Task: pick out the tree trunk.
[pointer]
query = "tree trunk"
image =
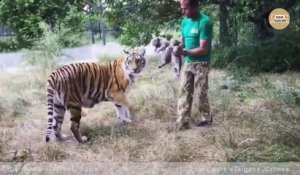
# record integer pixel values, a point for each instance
(103, 31)
(92, 32)
(224, 33)
(102, 25)
(100, 31)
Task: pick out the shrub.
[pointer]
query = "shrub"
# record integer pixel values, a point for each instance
(46, 51)
(262, 56)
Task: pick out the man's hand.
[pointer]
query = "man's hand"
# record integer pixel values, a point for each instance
(178, 51)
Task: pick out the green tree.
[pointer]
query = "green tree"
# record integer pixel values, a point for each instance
(24, 16)
(251, 38)
(139, 20)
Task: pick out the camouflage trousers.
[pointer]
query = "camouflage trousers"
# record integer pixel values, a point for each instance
(194, 86)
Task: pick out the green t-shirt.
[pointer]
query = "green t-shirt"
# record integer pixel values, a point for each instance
(195, 30)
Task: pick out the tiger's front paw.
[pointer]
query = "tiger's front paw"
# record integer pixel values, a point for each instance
(84, 139)
(125, 120)
(63, 137)
(130, 114)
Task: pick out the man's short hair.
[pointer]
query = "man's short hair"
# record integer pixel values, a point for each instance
(193, 3)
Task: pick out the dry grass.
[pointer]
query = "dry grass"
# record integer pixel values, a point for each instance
(254, 122)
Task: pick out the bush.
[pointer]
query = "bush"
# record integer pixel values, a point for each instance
(132, 35)
(262, 56)
(9, 45)
(105, 59)
(72, 30)
(46, 51)
(287, 94)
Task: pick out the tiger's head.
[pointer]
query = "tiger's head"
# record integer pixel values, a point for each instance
(134, 62)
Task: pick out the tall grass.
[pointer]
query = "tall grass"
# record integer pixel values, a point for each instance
(270, 113)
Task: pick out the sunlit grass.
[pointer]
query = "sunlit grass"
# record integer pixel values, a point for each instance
(254, 120)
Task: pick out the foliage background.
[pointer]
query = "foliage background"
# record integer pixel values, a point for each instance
(242, 35)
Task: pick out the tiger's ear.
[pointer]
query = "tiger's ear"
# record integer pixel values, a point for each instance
(143, 51)
(125, 51)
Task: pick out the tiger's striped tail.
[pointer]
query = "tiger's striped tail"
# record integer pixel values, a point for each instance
(50, 96)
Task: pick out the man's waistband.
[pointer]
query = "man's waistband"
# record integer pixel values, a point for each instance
(201, 63)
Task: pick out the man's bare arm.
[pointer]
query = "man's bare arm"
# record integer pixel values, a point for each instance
(201, 50)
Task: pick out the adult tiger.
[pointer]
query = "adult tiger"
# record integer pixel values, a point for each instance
(78, 85)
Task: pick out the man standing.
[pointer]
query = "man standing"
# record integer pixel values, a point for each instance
(196, 30)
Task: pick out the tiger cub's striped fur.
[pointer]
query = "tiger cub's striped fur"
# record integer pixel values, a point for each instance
(78, 85)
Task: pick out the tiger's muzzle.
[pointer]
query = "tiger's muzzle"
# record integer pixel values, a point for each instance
(141, 63)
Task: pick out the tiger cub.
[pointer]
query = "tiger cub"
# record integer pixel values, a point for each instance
(78, 85)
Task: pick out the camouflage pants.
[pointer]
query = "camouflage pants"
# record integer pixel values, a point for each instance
(194, 86)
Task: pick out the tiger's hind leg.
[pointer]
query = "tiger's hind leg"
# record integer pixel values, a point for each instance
(59, 112)
(75, 112)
